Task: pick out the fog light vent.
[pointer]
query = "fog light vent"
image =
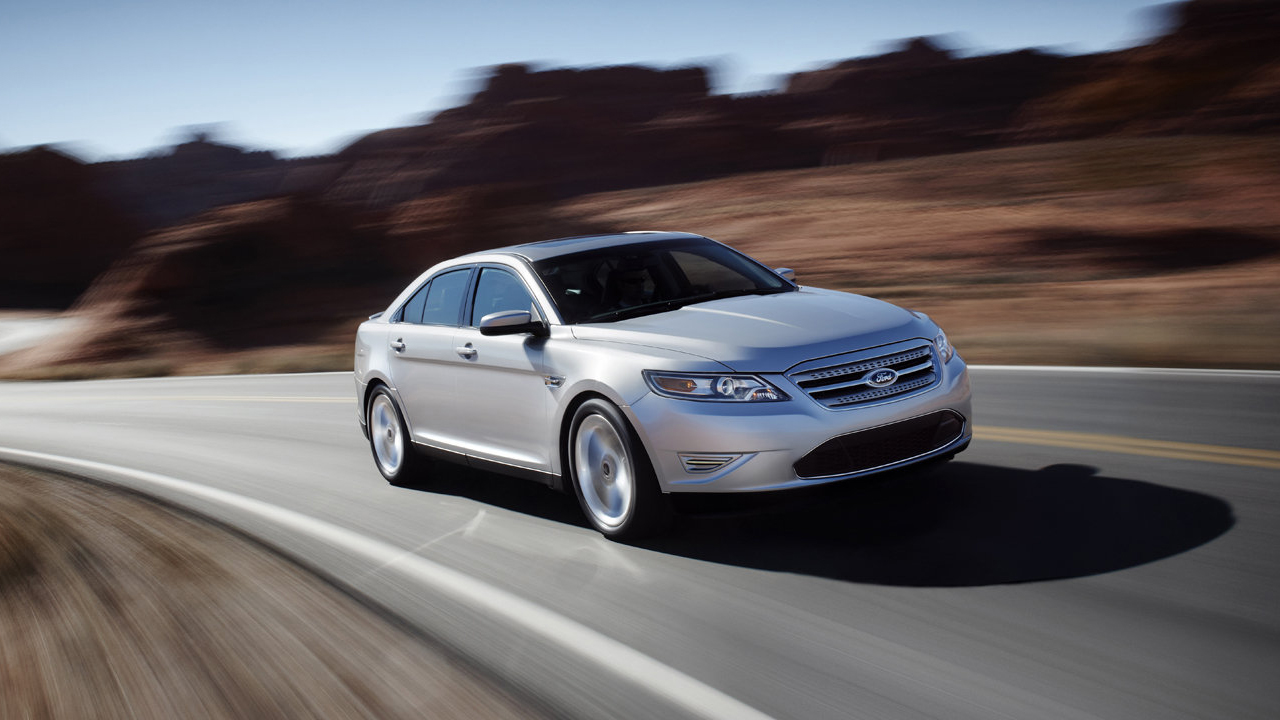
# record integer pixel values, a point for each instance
(699, 464)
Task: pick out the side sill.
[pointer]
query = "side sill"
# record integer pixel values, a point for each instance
(551, 480)
(538, 476)
(440, 453)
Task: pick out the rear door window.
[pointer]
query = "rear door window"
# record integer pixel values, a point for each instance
(412, 311)
(443, 302)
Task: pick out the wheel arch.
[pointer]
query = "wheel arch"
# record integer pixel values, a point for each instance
(370, 386)
(565, 427)
(562, 434)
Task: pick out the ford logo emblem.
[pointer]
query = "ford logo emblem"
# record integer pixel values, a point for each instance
(882, 378)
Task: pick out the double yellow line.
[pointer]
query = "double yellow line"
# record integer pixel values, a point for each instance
(1223, 454)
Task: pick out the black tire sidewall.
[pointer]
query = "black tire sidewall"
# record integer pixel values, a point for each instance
(646, 512)
(407, 462)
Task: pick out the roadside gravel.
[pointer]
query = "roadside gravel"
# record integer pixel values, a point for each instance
(115, 606)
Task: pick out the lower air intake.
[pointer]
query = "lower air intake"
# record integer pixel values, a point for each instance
(882, 446)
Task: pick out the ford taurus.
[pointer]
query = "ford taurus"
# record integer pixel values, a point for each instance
(629, 367)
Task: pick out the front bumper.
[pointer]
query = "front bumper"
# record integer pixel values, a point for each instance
(759, 444)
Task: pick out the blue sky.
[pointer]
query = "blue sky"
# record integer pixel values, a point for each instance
(113, 79)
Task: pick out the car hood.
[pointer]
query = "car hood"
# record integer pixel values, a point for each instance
(768, 333)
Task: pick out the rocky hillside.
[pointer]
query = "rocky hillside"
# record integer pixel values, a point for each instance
(269, 272)
(568, 132)
(58, 228)
(1218, 70)
(1165, 250)
(170, 186)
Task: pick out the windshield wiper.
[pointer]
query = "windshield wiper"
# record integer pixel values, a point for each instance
(723, 294)
(638, 310)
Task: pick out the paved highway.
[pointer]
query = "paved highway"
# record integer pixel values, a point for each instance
(1108, 548)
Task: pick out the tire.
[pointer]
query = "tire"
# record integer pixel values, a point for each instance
(611, 474)
(389, 441)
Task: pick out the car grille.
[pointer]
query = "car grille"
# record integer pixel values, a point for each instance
(846, 381)
(881, 446)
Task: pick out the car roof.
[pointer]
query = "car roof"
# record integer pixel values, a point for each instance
(544, 249)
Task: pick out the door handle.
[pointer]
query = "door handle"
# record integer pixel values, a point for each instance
(466, 351)
(397, 345)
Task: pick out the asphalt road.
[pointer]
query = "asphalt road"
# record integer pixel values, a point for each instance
(1108, 548)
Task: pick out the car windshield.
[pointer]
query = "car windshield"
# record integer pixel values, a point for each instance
(616, 283)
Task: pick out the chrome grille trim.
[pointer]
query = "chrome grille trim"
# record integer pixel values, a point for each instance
(897, 388)
(828, 380)
(863, 380)
(847, 369)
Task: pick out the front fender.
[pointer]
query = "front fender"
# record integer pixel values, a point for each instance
(613, 371)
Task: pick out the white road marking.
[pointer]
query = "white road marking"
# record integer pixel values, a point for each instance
(344, 399)
(623, 661)
(181, 378)
(465, 531)
(470, 528)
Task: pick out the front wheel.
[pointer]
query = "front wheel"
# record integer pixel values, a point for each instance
(393, 452)
(611, 474)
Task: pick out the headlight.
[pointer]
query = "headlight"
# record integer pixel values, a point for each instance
(712, 387)
(945, 351)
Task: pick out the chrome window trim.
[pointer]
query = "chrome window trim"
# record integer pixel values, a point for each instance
(469, 310)
(397, 317)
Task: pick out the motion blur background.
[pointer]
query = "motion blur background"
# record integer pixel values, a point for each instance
(1108, 196)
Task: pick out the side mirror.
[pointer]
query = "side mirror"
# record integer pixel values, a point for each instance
(786, 273)
(511, 322)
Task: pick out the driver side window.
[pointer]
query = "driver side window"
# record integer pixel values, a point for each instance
(498, 290)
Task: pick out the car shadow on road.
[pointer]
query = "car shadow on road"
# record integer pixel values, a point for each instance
(963, 524)
(522, 496)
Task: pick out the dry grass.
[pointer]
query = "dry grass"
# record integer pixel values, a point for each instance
(115, 607)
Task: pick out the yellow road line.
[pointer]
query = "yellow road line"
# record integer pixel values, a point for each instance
(1248, 457)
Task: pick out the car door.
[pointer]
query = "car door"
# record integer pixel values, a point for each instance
(500, 380)
(423, 357)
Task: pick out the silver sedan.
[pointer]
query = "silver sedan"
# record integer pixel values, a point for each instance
(629, 367)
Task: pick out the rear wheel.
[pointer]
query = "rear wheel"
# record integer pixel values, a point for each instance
(611, 474)
(393, 452)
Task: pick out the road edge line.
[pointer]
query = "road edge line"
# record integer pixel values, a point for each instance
(623, 661)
